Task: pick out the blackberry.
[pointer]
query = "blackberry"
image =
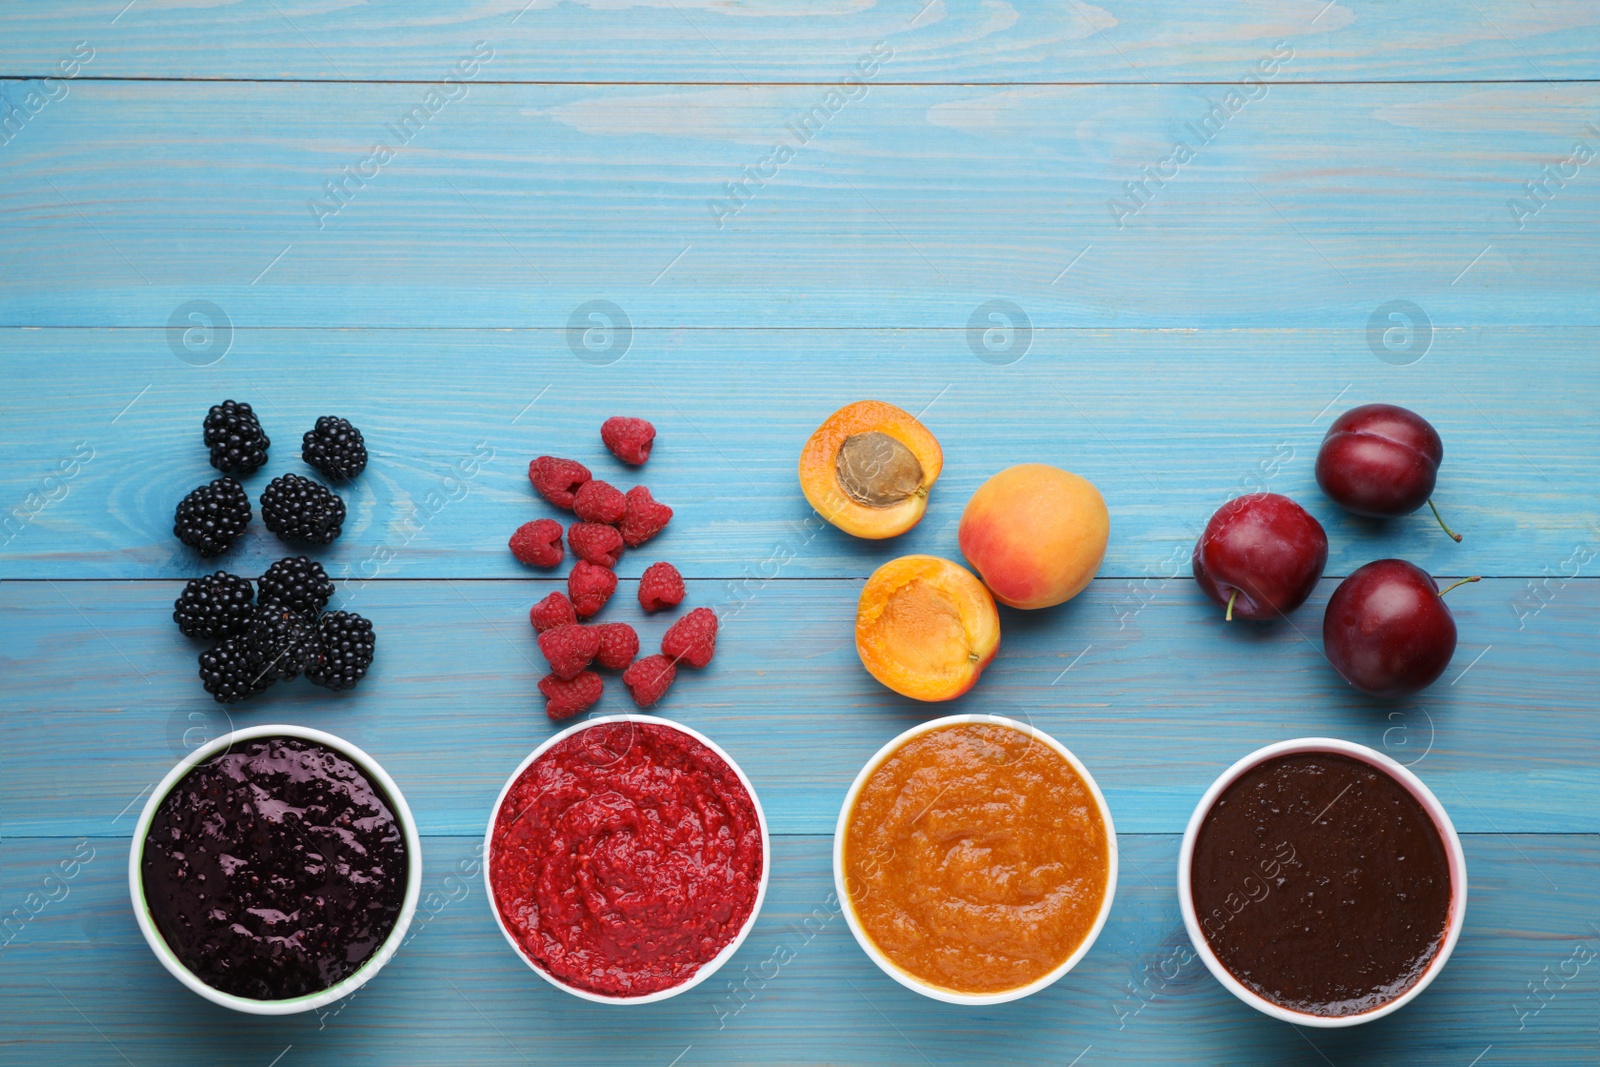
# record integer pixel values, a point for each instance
(277, 641)
(230, 673)
(214, 605)
(335, 448)
(299, 509)
(298, 583)
(233, 433)
(210, 518)
(343, 652)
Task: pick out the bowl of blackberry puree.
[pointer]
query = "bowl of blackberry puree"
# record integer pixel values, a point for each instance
(275, 870)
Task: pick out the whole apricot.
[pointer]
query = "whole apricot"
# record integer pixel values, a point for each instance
(868, 468)
(926, 627)
(1036, 534)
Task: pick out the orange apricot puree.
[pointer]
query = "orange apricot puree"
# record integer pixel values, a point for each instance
(975, 858)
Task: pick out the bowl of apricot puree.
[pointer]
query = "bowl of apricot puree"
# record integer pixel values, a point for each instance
(975, 859)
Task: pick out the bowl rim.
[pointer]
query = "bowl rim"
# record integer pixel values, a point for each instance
(308, 1001)
(1454, 854)
(706, 969)
(910, 981)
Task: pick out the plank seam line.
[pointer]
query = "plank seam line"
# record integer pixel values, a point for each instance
(1508, 327)
(802, 84)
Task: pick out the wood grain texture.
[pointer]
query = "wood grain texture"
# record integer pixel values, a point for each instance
(457, 994)
(1168, 424)
(1160, 697)
(1018, 41)
(1187, 346)
(1310, 207)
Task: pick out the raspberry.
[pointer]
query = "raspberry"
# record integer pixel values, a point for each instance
(661, 586)
(600, 545)
(557, 479)
(590, 586)
(628, 439)
(538, 543)
(649, 679)
(565, 697)
(618, 645)
(645, 517)
(598, 501)
(554, 610)
(569, 649)
(693, 638)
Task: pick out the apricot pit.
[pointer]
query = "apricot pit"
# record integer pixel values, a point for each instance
(876, 470)
(868, 469)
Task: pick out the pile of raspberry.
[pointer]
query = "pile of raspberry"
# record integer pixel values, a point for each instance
(609, 521)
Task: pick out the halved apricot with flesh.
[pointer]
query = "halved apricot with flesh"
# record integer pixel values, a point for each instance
(926, 627)
(868, 469)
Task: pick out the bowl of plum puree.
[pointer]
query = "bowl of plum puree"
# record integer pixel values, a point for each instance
(1322, 883)
(275, 870)
(626, 859)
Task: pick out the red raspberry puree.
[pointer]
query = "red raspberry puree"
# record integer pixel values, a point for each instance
(625, 858)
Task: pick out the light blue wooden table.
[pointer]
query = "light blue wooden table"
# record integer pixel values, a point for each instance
(1374, 201)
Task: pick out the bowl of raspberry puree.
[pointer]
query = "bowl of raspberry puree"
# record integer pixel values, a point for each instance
(975, 859)
(1322, 882)
(275, 869)
(627, 859)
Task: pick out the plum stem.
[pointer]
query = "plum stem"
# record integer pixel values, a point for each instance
(1453, 535)
(1464, 581)
(1231, 596)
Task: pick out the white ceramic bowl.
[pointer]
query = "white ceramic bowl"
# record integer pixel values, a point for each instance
(375, 962)
(914, 983)
(1430, 803)
(708, 968)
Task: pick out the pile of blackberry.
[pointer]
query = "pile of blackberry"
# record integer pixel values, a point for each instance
(295, 508)
(273, 631)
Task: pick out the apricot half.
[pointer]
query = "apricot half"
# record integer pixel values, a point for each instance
(1036, 534)
(926, 627)
(868, 469)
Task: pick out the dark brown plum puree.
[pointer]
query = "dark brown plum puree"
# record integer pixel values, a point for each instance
(1321, 883)
(274, 869)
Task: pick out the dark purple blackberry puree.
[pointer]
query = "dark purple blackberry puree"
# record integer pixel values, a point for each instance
(275, 869)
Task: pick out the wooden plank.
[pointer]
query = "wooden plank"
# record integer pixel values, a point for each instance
(1312, 207)
(1168, 424)
(1144, 682)
(457, 994)
(1019, 41)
